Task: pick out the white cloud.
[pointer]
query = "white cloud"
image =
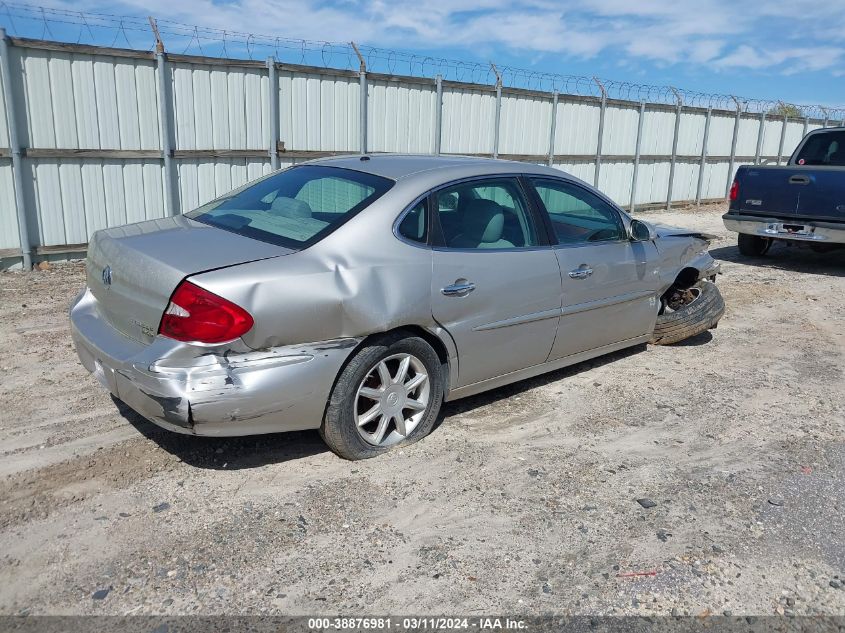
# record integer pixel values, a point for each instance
(781, 36)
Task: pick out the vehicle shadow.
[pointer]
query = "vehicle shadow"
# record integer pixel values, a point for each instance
(227, 453)
(508, 391)
(783, 257)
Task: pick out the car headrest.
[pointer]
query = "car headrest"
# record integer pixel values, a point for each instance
(290, 207)
(483, 221)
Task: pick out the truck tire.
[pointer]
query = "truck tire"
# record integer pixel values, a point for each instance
(701, 311)
(753, 245)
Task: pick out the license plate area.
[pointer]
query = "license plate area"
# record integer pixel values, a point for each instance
(781, 228)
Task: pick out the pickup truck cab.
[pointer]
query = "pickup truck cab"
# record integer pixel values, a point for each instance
(802, 202)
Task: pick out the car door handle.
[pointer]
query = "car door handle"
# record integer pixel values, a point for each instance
(799, 180)
(580, 273)
(458, 289)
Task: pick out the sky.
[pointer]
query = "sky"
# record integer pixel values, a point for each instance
(790, 50)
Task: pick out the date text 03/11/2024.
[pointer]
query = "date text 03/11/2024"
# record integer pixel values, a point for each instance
(415, 623)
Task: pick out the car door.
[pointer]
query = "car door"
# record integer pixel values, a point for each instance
(609, 283)
(496, 281)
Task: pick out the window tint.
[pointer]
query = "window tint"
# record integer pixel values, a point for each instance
(825, 148)
(578, 215)
(485, 214)
(294, 207)
(412, 226)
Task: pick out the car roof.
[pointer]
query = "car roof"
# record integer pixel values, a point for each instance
(399, 166)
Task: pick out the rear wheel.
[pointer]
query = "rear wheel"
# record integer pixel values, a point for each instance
(388, 394)
(753, 245)
(688, 312)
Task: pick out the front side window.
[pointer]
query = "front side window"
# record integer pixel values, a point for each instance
(485, 214)
(295, 207)
(825, 148)
(577, 215)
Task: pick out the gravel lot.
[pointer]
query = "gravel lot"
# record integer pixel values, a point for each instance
(523, 501)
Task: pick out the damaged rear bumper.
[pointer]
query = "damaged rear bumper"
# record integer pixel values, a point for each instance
(221, 390)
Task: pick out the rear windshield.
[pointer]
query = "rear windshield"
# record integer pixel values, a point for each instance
(824, 148)
(295, 207)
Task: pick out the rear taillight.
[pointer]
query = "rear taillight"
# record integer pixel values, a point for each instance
(734, 190)
(197, 315)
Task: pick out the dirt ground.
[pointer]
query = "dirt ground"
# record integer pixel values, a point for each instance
(523, 501)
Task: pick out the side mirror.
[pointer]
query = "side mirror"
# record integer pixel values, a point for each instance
(641, 232)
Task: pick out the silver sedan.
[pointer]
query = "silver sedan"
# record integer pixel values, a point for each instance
(357, 294)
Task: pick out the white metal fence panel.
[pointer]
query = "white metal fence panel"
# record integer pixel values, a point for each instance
(76, 197)
(794, 134)
(652, 181)
(525, 125)
(577, 128)
(715, 178)
(721, 134)
(691, 135)
(8, 217)
(319, 112)
(658, 129)
(582, 169)
(401, 117)
(620, 130)
(89, 101)
(771, 136)
(220, 108)
(468, 117)
(746, 142)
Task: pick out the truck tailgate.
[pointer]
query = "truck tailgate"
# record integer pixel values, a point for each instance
(768, 190)
(822, 196)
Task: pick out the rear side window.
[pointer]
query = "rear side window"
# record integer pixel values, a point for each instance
(485, 214)
(296, 207)
(413, 225)
(825, 148)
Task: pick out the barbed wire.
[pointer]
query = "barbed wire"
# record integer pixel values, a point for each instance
(134, 32)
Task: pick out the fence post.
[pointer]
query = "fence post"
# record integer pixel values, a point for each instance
(637, 157)
(165, 118)
(498, 115)
(274, 113)
(438, 115)
(171, 199)
(552, 127)
(362, 78)
(760, 138)
(782, 137)
(674, 158)
(600, 139)
(703, 162)
(15, 150)
(733, 146)
(806, 125)
(826, 117)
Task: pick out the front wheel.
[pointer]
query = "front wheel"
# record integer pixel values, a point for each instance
(753, 245)
(689, 312)
(388, 394)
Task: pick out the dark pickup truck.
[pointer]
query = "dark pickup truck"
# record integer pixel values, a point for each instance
(800, 202)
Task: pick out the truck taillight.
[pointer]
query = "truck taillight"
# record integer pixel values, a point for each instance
(197, 315)
(734, 190)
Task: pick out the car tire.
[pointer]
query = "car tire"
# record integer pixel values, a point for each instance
(753, 245)
(700, 314)
(347, 406)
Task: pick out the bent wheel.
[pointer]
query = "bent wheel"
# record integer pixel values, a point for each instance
(689, 312)
(388, 394)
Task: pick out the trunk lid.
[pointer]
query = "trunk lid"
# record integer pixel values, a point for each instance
(133, 270)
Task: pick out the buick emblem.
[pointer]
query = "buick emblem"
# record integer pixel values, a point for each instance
(107, 276)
